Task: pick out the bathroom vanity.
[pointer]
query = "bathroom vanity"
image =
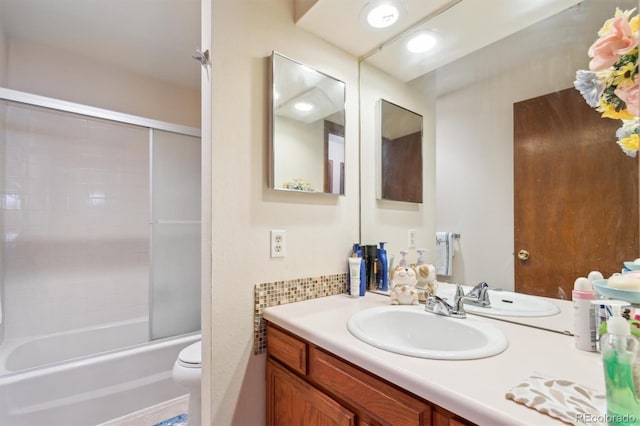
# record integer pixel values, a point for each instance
(317, 372)
(328, 389)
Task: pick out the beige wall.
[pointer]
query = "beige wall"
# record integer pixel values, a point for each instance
(59, 74)
(320, 228)
(390, 221)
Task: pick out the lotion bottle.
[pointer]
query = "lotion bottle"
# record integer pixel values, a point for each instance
(354, 275)
(621, 362)
(357, 252)
(584, 324)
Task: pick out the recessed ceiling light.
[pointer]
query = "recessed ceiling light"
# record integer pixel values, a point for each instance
(303, 106)
(421, 42)
(382, 13)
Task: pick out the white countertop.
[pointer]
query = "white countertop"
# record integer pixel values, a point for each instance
(472, 389)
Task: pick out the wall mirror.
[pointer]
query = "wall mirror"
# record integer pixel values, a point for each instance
(307, 128)
(476, 86)
(399, 153)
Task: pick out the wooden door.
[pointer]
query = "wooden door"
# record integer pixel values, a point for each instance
(575, 194)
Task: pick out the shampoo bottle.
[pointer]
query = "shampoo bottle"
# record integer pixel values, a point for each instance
(584, 327)
(621, 362)
(383, 269)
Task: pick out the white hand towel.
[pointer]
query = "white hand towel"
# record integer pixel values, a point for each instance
(444, 253)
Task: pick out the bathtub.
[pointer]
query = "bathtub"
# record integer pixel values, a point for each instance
(88, 389)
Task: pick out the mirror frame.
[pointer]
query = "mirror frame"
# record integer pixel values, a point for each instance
(329, 128)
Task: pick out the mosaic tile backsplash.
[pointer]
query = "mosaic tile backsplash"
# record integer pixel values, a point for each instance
(281, 292)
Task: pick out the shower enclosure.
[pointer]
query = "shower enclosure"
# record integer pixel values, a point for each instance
(100, 225)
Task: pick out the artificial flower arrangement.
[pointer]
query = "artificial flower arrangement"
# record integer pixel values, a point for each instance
(611, 83)
(299, 184)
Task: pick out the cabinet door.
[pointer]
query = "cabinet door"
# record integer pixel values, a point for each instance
(291, 401)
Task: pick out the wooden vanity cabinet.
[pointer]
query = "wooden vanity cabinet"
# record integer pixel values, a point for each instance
(307, 385)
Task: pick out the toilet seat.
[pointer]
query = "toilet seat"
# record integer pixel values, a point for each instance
(191, 356)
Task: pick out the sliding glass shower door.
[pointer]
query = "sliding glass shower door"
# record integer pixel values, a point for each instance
(99, 228)
(175, 234)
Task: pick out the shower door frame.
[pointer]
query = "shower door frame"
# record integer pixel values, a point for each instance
(30, 99)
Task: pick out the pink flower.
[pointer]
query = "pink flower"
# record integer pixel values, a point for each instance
(631, 96)
(608, 48)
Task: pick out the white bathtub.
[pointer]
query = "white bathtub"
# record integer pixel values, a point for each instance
(89, 390)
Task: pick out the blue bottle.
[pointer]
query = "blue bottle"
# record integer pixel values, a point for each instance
(383, 269)
(363, 273)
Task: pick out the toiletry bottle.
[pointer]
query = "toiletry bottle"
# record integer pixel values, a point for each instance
(354, 275)
(363, 272)
(403, 262)
(358, 253)
(421, 260)
(371, 255)
(584, 321)
(383, 271)
(621, 362)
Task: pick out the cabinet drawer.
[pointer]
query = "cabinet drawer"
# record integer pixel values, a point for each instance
(287, 349)
(370, 397)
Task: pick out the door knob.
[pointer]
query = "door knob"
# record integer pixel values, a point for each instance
(523, 255)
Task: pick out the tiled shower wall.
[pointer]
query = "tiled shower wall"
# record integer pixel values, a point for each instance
(75, 205)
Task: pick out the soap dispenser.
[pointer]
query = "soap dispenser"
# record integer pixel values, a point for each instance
(621, 362)
(403, 260)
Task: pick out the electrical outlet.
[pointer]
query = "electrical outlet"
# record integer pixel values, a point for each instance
(412, 239)
(278, 243)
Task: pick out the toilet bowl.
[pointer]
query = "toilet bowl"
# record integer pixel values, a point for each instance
(187, 372)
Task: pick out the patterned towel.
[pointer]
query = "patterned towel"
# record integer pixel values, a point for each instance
(564, 400)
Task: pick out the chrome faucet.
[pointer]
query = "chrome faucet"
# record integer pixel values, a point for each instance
(439, 306)
(478, 295)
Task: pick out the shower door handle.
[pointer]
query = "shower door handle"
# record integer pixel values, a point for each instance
(202, 57)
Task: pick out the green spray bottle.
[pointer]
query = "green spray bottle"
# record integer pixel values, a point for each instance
(621, 362)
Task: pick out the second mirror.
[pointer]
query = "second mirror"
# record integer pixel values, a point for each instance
(399, 151)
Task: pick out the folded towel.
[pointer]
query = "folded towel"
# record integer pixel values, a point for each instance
(564, 400)
(444, 253)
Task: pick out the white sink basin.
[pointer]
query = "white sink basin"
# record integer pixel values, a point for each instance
(410, 330)
(505, 303)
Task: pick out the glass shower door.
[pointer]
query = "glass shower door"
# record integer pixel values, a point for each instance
(175, 234)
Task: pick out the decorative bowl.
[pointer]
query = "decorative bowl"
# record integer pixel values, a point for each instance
(601, 287)
(632, 266)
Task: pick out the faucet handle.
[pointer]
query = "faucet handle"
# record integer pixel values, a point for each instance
(459, 291)
(477, 290)
(457, 310)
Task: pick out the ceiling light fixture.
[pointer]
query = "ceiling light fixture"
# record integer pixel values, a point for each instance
(422, 42)
(303, 106)
(382, 13)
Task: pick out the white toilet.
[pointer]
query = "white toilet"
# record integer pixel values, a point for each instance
(187, 372)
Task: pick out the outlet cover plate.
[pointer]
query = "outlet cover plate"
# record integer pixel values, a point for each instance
(278, 243)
